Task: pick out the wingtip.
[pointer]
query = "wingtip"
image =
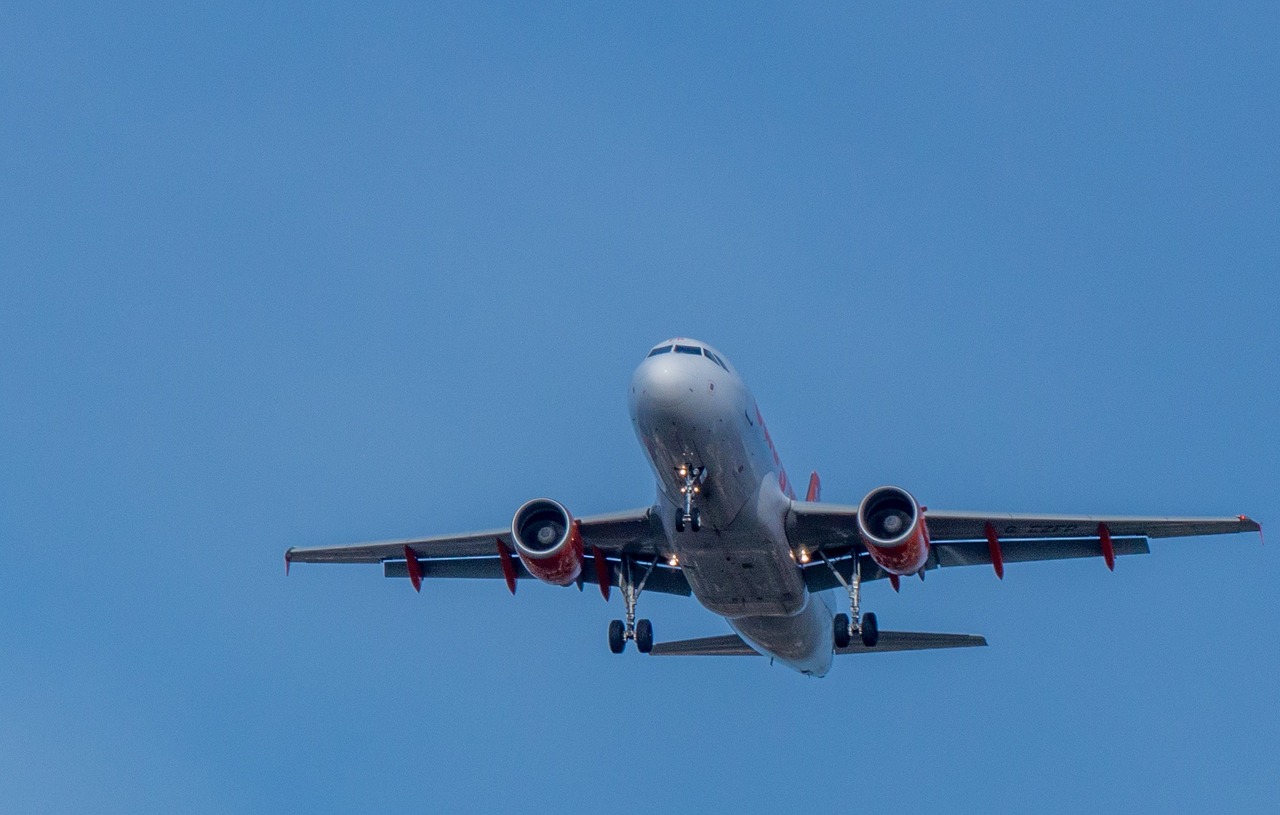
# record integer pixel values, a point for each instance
(288, 558)
(1248, 524)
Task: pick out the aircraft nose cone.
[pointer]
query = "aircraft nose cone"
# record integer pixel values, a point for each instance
(663, 382)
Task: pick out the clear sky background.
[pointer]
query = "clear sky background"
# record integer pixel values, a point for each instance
(311, 274)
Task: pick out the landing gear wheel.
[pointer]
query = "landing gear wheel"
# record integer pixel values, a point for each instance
(617, 636)
(644, 636)
(696, 522)
(870, 630)
(842, 631)
(679, 521)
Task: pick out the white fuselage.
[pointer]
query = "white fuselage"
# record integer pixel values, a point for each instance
(689, 410)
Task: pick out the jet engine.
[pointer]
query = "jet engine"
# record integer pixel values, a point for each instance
(892, 528)
(548, 541)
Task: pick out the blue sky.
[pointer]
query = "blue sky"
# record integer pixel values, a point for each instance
(315, 274)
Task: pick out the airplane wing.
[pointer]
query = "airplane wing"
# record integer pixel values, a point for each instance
(959, 538)
(635, 533)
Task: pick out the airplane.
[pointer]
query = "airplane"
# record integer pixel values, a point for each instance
(727, 528)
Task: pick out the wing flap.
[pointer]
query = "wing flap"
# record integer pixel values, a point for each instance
(663, 579)
(976, 553)
(818, 577)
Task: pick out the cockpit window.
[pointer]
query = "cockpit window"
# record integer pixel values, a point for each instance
(715, 359)
(660, 350)
(689, 349)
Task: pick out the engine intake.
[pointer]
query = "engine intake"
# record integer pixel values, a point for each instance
(548, 541)
(893, 530)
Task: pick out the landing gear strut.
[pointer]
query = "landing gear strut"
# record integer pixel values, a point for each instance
(691, 484)
(640, 631)
(846, 626)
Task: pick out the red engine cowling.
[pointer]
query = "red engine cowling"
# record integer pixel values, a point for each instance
(548, 541)
(892, 528)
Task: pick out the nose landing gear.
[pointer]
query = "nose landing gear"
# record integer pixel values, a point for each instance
(691, 484)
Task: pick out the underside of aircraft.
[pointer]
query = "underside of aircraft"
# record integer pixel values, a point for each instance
(727, 528)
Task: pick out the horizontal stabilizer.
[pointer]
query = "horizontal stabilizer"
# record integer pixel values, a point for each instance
(731, 645)
(914, 641)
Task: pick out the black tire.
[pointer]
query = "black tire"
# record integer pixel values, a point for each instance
(679, 521)
(841, 630)
(870, 630)
(616, 639)
(644, 636)
(697, 521)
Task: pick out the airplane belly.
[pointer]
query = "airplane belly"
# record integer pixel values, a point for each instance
(745, 569)
(739, 576)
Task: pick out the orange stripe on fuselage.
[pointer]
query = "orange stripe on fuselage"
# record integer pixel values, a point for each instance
(783, 482)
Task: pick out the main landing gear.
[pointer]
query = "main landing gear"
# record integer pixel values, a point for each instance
(844, 626)
(691, 484)
(641, 631)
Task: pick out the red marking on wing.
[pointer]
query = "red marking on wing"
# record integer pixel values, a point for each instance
(508, 565)
(415, 568)
(1108, 550)
(604, 574)
(993, 546)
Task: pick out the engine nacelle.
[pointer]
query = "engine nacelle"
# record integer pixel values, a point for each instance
(548, 541)
(893, 530)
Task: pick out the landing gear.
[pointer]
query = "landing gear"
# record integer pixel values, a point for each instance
(845, 626)
(644, 636)
(842, 629)
(641, 631)
(691, 479)
(870, 630)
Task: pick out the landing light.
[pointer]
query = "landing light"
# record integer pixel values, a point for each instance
(804, 555)
(673, 561)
